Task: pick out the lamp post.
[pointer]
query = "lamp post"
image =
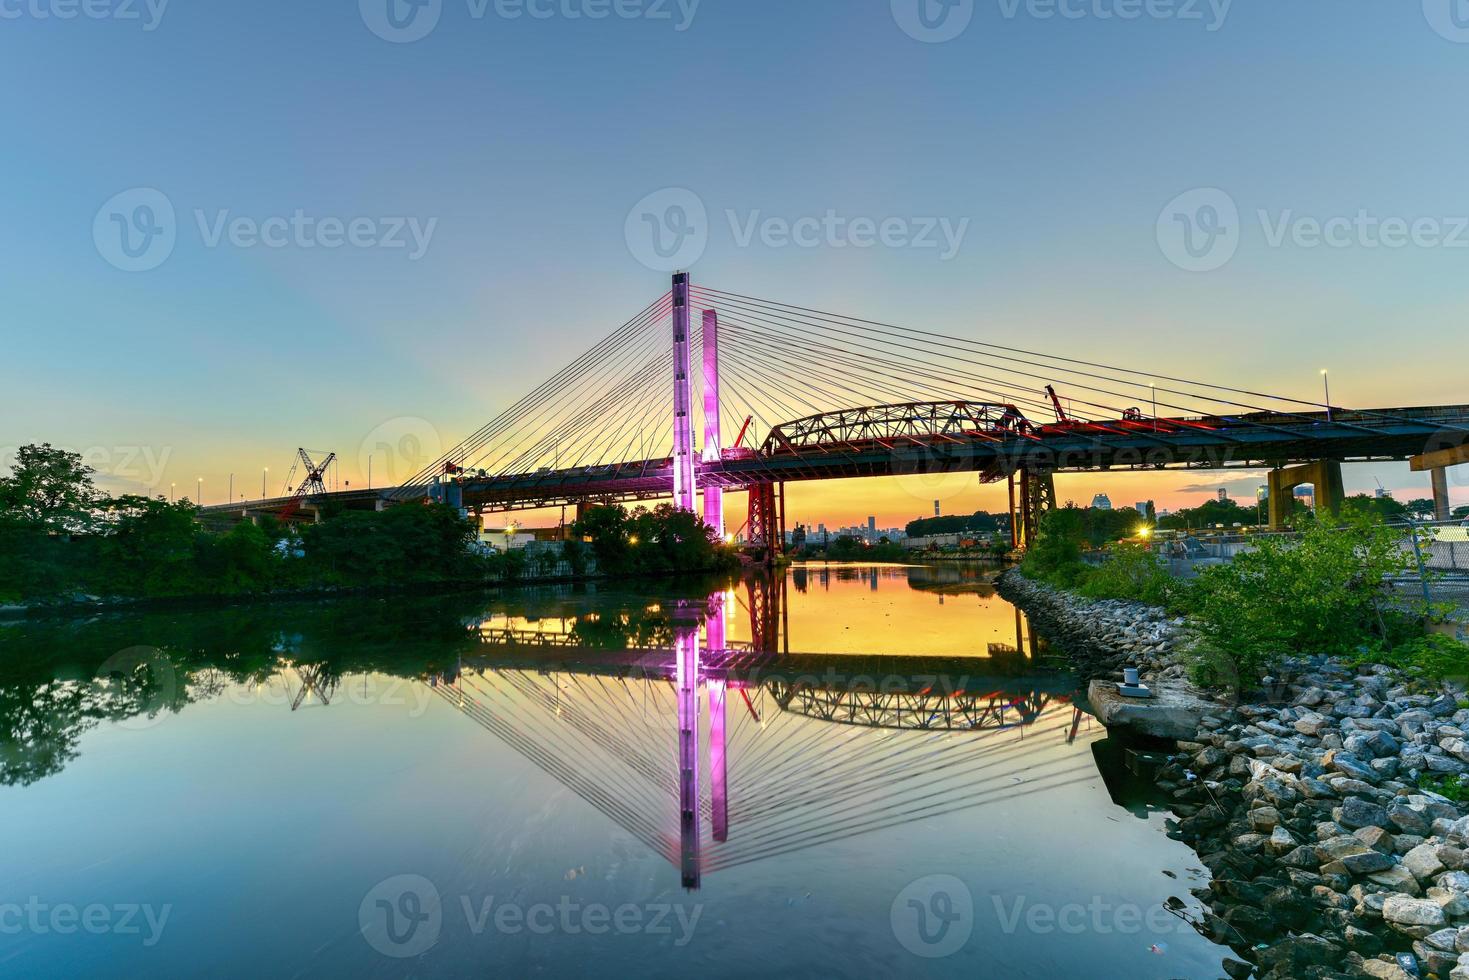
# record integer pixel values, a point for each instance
(199, 491)
(1326, 382)
(262, 482)
(231, 498)
(172, 491)
(1153, 385)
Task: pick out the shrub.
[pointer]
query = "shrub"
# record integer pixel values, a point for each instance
(1131, 571)
(1324, 592)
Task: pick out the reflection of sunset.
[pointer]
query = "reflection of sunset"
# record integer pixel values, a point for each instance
(893, 609)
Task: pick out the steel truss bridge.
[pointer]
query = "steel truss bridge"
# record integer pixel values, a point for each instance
(791, 394)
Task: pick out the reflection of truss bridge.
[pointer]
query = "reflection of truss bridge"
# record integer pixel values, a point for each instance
(924, 710)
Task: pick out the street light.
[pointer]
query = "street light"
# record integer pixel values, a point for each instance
(199, 491)
(1326, 381)
(1154, 386)
(262, 482)
(172, 490)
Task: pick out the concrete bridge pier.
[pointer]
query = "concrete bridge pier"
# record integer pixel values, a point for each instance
(1324, 475)
(1436, 464)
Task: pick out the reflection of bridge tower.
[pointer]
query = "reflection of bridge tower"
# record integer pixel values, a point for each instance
(686, 679)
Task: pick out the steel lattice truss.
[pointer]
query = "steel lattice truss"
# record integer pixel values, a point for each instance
(921, 711)
(888, 425)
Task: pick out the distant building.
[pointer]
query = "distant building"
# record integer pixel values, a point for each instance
(936, 509)
(1102, 502)
(872, 530)
(1223, 496)
(1141, 507)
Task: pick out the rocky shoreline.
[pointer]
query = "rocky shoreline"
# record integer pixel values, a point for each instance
(1327, 858)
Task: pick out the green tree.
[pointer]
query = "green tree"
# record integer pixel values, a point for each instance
(49, 489)
(1378, 508)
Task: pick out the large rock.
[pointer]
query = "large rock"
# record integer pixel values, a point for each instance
(1174, 710)
(1408, 911)
(1423, 861)
(1357, 812)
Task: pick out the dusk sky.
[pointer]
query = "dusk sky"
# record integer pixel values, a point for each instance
(490, 167)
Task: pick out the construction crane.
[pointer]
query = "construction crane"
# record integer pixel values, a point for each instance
(313, 482)
(1056, 402)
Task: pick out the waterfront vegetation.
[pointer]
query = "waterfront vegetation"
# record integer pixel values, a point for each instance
(1323, 591)
(61, 538)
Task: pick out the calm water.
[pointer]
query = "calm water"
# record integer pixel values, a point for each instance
(851, 771)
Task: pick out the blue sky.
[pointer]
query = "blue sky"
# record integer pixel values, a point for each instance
(527, 140)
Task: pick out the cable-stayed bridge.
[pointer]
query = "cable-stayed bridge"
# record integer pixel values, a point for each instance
(709, 391)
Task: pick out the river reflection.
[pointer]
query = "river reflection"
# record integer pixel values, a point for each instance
(789, 754)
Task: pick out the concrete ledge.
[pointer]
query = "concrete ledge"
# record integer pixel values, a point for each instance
(1172, 711)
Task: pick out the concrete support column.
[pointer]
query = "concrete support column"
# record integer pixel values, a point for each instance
(1440, 478)
(1324, 475)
